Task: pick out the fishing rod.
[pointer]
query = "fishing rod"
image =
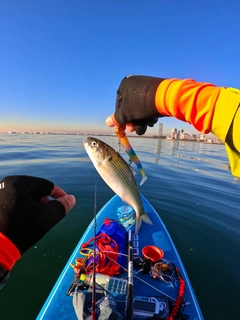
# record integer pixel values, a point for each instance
(94, 253)
(130, 277)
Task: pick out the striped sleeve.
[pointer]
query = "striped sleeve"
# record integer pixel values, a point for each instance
(208, 108)
(189, 101)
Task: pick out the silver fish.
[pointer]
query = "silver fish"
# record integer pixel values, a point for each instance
(119, 176)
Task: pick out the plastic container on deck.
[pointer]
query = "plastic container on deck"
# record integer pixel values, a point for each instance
(111, 284)
(152, 252)
(126, 216)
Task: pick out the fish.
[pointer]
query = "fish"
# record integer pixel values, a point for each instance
(118, 175)
(120, 132)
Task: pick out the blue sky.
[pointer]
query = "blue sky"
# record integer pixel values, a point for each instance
(61, 61)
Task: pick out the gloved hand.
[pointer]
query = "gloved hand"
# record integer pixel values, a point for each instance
(26, 213)
(135, 103)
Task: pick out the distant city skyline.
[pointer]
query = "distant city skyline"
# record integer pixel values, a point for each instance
(157, 131)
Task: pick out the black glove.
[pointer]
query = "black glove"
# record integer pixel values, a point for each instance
(136, 102)
(24, 220)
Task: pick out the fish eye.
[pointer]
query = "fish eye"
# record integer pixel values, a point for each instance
(94, 144)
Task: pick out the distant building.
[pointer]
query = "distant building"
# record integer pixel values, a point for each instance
(177, 135)
(181, 135)
(185, 136)
(209, 140)
(173, 133)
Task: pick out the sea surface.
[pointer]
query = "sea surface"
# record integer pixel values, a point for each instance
(189, 184)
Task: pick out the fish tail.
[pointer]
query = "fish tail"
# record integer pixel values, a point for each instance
(142, 217)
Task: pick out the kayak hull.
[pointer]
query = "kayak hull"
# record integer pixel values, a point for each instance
(59, 306)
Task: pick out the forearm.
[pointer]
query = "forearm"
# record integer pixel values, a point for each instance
(189, 101)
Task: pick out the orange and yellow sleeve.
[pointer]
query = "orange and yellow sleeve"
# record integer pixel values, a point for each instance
(189, 101)
(9, 253)
(207, 107)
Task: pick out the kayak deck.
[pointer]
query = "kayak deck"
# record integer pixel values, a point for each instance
(59, 306)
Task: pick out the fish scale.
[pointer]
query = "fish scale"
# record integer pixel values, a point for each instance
(120, 168)
(116, 172)
(123, 168)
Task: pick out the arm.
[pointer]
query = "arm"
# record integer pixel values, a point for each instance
(208, 108)
(26, 215)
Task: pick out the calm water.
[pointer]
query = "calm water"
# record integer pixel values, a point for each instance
(189, 184)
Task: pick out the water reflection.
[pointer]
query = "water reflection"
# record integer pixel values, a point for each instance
(159, 150)
(21, 152)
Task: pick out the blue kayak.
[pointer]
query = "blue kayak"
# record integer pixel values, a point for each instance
(161, 289)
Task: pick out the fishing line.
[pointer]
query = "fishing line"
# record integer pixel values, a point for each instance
(135, 276)
(94, 252)
(155, 288)
(113, 134)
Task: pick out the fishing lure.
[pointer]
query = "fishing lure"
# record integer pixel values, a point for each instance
(127, 146)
